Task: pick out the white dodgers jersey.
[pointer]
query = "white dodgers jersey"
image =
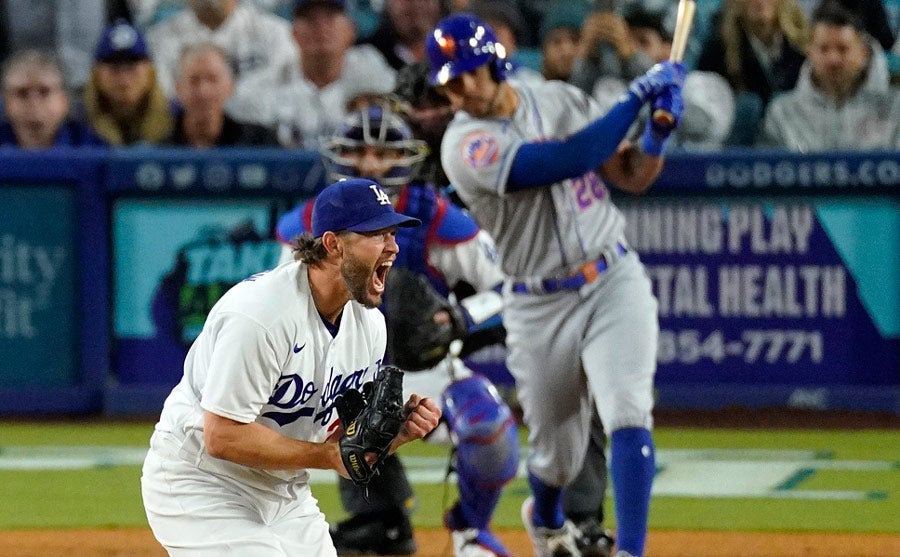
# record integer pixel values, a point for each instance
(542, 231)
(264, 355)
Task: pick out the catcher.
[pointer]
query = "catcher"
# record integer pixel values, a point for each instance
(281, 356)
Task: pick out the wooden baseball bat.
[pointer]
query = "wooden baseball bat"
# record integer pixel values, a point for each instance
(683, 22)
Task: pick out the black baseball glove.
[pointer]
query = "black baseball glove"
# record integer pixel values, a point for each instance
(415, 340)
(371, 419)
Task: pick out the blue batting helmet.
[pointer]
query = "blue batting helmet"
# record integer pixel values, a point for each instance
(461, 43)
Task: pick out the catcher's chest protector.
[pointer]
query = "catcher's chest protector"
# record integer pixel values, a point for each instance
(423, 204)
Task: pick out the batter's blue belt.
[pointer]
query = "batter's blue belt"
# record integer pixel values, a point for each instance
(586, 275)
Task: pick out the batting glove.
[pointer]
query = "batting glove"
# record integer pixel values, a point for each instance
(657, 79)
(660, 126)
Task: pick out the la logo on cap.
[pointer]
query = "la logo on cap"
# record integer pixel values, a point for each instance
(382, 197)
(123, 37)
(357, 205)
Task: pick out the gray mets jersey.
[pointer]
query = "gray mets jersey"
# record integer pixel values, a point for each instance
(603, 328)
(548, 231)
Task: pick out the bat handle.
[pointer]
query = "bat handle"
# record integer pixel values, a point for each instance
(663, 118)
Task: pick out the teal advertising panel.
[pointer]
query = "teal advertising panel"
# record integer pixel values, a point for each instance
(38, 287)
(172, 260)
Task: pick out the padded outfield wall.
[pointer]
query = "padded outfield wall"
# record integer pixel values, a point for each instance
(778, 275)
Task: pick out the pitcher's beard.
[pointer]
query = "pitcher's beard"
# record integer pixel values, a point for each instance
(356, 277)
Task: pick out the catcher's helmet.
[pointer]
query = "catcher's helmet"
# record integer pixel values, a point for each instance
(461, 43)
(378, 126)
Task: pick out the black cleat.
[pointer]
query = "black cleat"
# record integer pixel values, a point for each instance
(374, 534)
(593, 539)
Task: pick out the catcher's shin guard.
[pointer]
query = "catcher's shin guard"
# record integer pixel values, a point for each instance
(487, 448)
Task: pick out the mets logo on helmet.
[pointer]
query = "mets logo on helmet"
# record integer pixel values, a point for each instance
(480, 149)
(447, 44)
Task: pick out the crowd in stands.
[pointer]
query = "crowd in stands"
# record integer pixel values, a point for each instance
(804, 75)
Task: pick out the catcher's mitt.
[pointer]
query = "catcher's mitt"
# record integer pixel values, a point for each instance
(371, 420)
(415, 340)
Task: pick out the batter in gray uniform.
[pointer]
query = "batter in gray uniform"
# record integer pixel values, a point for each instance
(532, 163)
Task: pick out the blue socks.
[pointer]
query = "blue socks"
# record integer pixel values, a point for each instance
(632, 466)
(548, 511)
(476, 505)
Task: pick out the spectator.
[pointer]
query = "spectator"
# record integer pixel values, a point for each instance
(507, 21)
(759, 46)
(536, 10)
(252, 39)
(843, 99)
(402, 28)
(147, 13)
(67, 28)
(123, 101)
(606, 49)
(872, 13)
(308, 100)
(36, 105)
(204, 85)
(708, 99)
(560, 35)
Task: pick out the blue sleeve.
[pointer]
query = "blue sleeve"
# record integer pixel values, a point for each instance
(456, 226)
(290, 225)
(540, 164)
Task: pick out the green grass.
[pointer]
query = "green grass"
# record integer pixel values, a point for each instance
(74, 433)
(850, 445)
(110, 496)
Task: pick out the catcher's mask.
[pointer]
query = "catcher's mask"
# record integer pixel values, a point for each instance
(379, 127)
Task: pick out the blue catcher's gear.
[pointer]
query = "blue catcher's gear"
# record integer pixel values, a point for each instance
(377, 126)
(460, 43)
(487, 449)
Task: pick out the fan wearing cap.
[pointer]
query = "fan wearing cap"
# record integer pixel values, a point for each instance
(227, 470)
(122, 99)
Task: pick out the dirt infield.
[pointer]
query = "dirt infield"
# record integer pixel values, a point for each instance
(435, 543)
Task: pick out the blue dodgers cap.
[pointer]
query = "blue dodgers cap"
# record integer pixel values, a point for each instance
(357, 205)
(121, 42)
